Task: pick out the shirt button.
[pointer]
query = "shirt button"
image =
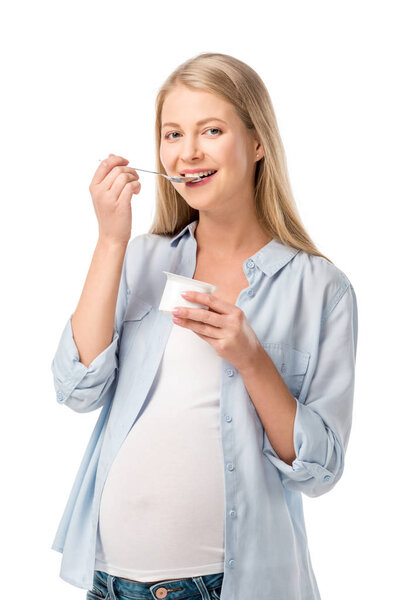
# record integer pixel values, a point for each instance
(327, 478)
(231, 563)
(229, 372)
(232, 513)
(250, 292)
(60, 396)
(250, 264)
(228, 418)
(230, 467)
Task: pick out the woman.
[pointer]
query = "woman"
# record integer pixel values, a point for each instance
(214, 422)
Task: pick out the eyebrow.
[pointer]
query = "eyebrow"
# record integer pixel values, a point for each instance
(198, 122)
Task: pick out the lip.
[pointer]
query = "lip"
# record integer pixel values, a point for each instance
(201, 183)
(195, 171)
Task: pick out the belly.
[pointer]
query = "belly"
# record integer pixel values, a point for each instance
(162, 509)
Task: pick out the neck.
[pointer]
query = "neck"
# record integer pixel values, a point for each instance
(229, 238)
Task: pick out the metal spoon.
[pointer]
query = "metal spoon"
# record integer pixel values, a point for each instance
(175, 179)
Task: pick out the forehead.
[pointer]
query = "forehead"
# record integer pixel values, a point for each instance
(185, 104)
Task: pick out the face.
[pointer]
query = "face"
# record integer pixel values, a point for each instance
(223, 145)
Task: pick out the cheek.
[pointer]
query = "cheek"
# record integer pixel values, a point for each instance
(231, 153)
(162, 155)
(239, 152)
(165, 154)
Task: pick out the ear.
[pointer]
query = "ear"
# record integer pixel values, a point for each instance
(259, 151)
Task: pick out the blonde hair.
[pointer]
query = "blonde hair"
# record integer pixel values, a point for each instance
(239, 84)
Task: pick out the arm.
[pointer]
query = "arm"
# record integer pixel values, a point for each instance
(86, 361)
(273, 402)
(93, 320)
(312, 436)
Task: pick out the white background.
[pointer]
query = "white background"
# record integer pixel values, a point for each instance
(79, 81)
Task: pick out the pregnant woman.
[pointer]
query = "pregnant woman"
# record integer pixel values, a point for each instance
(213, 423)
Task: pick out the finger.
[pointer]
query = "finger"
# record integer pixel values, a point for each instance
(133, 187)
(202, 328)
(216, 304)
(119, 183)
(106, 166)
(116, 172)
(199, 315)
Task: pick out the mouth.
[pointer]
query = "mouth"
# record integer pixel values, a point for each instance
(205, 177)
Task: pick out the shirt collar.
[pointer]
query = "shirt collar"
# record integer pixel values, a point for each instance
(189, 228)
(270, 258)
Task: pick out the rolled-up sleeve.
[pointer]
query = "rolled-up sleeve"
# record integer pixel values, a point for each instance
(82, 388)
(323, 421)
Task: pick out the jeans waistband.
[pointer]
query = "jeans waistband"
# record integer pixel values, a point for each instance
(170, 589)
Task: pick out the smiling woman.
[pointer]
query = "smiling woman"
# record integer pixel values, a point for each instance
(214, 113)
(212, 426)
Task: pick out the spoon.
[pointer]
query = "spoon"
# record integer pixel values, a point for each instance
(176, 179)
(193, 179)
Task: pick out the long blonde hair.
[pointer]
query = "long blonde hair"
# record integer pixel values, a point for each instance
(239, 84)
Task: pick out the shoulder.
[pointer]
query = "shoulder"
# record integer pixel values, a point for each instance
(145, 242)
(322, 279)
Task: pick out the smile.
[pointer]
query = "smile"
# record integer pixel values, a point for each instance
(204, 179)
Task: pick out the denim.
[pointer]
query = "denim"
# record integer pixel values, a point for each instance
(303, 310)
(110, 587)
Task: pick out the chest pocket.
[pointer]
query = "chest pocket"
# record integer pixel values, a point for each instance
(136, 310)
(292, 364)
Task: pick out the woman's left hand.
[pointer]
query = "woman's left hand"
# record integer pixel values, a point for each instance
(224, 326)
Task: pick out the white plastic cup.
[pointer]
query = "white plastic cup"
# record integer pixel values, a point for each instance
(175, 285)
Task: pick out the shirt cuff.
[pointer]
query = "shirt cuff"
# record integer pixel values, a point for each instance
(317, 451)
(70, 374)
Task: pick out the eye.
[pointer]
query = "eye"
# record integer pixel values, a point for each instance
(209, 129)
(168, 134)
(213, 129)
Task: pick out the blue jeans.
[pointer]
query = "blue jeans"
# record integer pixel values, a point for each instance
(111, 587)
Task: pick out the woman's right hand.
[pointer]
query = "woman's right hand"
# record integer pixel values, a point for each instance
(111, 189)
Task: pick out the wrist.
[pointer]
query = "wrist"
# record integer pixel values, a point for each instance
(110, 243)
(254, 361)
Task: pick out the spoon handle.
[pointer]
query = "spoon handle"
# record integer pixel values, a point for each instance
(136, 169)
(176, 179)
(147, 171)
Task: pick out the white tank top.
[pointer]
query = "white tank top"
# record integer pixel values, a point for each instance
(162, 510)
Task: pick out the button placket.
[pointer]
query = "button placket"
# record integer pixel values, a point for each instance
(250, 264)
(230, 466)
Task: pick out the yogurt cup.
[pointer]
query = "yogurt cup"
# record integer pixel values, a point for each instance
(175, 285)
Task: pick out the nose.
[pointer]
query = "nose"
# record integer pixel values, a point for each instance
(191, 149)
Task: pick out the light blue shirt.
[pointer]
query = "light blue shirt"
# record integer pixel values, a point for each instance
(303, 310)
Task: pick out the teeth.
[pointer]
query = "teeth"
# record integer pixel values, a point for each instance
(200, 174)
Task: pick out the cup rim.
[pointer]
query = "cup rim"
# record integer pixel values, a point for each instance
(194, 281)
